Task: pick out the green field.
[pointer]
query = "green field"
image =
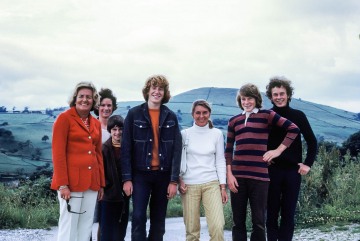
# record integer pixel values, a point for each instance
(16, 156)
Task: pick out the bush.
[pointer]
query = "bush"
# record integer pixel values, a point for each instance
(330, 192)
(175, 207)
(31, 205)
(353, 144)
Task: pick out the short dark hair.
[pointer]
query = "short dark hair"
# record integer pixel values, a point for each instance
(85, 85)
(279, 81)
(157, 80)
(115, 120)
(249, 90)
(106, 93)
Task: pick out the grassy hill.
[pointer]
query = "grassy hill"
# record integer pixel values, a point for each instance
(329, 123)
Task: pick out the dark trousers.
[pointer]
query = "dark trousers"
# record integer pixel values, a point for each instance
(256, 192)
(283, 195)
(149, 185)
(114, 217)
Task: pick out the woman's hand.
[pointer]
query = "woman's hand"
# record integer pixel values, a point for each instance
(182, 186)
(65, 193)
(224, 196)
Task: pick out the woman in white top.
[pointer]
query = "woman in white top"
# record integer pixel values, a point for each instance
(205, 178)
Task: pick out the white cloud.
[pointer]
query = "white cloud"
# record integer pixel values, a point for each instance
(46, 47)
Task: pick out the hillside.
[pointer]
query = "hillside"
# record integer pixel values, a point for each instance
(329, 123)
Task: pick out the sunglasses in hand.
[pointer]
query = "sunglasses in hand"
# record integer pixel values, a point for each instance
(69, 206)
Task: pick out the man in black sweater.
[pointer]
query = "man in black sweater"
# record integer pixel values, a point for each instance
(286, 170)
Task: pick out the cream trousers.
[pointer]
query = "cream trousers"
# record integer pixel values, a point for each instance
(210, 196)
(77, 227)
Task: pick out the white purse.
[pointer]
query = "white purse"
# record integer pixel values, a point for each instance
(183, 165)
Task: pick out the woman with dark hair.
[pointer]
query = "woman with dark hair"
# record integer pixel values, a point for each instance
(106, 108)
(247, 164)
(114, 207)
(78, 164)
(205, 178)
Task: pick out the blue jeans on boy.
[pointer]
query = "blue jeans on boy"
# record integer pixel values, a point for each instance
(149, 185)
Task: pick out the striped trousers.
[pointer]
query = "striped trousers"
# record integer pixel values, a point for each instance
(210, 196)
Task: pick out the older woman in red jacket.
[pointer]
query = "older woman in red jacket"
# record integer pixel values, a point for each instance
(78, 164)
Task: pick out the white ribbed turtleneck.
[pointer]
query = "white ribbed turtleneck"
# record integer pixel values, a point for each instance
(205, 155)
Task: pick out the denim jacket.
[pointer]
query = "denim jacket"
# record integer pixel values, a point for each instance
(137, 142)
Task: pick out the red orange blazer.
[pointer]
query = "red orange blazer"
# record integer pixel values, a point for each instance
(76, 153)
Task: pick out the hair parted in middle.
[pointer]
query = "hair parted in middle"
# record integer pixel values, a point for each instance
(106, 93)
(85, 85)
(157, 81)
(279, 81)
(249, 90)
(206, 105)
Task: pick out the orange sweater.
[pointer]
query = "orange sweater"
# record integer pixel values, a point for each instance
(76, 153)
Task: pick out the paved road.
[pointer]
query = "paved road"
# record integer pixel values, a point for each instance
(175, 231)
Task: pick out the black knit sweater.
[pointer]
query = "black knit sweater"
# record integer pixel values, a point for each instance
(293, 155)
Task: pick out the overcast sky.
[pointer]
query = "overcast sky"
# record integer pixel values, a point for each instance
(46, 47)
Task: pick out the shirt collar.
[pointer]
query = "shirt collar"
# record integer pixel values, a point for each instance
(255, 110)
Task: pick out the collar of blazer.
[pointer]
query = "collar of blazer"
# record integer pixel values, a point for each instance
(77, 118)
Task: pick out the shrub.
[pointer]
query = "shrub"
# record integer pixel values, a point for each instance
(175, 207)
(330, 192)
(31, 205)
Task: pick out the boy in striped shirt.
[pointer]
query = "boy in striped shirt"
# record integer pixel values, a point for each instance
(247, 160)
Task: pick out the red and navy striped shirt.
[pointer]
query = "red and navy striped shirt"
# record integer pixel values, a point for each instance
(250, 141)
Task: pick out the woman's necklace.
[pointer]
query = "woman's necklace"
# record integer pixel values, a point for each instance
(86, 122)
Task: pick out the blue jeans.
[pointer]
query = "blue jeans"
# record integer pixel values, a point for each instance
(256, 192)
(114, 217)
(149, 185)
(283, 195)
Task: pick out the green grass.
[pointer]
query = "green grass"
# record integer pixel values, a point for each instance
(29, 206)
